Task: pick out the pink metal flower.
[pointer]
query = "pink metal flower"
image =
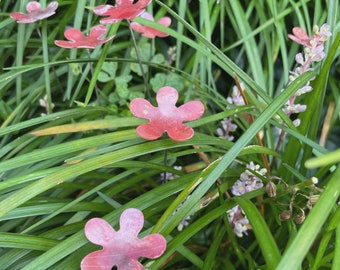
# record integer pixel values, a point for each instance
(124, 10)
(78, 40)
(121, 248)
(150, 32)
(34, 12)
(166, 117)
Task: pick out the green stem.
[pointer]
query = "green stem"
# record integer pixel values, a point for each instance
(140, 62)
(20, 56)
(44, 40)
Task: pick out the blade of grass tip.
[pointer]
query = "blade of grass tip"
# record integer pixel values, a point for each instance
(326, 237)
(336, 257)
(253, 54)
(325, 160)
(20, 55)
(332, 19)
(306, 16)
(90, 15)
(112, 31)
(89, 68)
(211, 255)
(264, 237)
(319, 10)
(298, 14)
(68, 114)
(296, 252)
(205, 28)
(78, 18)
(222, 22)
(280, 32)
(181, 9)
(147, 89)
(44, 40)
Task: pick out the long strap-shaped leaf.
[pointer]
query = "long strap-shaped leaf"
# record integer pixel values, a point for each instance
(263, 235)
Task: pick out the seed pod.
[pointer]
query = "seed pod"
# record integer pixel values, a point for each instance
(285, 215)
(271, 189)
(314, 198)
(299, 218)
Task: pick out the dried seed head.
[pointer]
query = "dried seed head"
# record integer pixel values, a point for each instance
(285, 215)
(314, 198)
(271, 189)
(299, 218)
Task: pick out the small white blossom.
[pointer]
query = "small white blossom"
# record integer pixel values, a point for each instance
(297, 122)
(239, 222)
(299, 59)
(171, 176)
(247, 182)
(236, 97)
(325, 32)
(227, 127)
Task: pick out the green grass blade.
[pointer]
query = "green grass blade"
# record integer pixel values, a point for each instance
(263, 235)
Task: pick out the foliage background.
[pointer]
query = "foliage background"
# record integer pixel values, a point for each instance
(89, 162)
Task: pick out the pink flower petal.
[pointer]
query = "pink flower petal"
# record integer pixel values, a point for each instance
(181, 133)
(74, 34)
(166, 117)
(99, 232)
(142, 108)
(33, 6)
(149, 131)
(122, 2)
(102, 10)
(22, 18)
(167, 97)
(154, 246)
(131, 222)
(165, 21)
(98, 260)
(97, 32)
(191, 110)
